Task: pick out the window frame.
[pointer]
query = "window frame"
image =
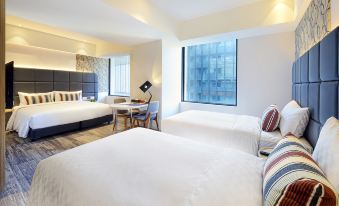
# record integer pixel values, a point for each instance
(183, 56)
(109, 80)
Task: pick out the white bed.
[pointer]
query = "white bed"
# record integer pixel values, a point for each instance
(148, 168)
(52, 114)
(221, 129)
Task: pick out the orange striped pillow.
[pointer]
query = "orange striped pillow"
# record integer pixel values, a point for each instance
(37, 99)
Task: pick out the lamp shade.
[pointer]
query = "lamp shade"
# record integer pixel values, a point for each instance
(145, 86)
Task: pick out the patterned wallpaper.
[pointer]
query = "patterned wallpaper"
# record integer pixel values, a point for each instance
(97, 65)
(315, 24)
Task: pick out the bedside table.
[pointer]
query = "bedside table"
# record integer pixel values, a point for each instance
(8, 113)
(264, 152)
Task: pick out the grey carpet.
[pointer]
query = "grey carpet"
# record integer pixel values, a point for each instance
(22, 157)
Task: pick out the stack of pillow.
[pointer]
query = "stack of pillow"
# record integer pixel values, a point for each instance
(292, 176)
(55, 96)
(293, 119)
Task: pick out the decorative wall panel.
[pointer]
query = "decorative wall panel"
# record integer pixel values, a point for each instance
(315, 24)
(97, 65)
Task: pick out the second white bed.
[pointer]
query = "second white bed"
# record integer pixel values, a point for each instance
(46, 115)
(148, 168)
(240, 132)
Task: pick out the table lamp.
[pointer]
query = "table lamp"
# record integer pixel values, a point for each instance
(145, 87)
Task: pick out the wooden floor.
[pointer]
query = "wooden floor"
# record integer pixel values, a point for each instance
(22, 157)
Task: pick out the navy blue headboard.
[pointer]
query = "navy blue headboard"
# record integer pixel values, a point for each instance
(315, 78)
(41, 80)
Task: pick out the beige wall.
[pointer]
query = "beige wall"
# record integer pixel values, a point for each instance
(334, 13)
(2, 95)
(42, 47)
(146, 64)
(264, 75)
(35, 57)
(30, 37)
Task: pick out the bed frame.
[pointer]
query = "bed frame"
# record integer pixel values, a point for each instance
(315, 77)
(40, 80)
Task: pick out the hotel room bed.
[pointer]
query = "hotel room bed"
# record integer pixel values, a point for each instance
(220, 129)
(145, 167)
(42, 120)
(28, 118)
(226, 130)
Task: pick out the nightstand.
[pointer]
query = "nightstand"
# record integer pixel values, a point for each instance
(8, 113)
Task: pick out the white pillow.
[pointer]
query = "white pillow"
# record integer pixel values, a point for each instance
(23, 94)
(58, 94)
(294, 120)
(326, 151)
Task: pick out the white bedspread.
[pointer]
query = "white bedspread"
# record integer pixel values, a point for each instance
(271, 139)
(142, 167)
(226, 130)
(52, 114)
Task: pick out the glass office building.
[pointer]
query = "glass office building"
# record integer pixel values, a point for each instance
(210, 73)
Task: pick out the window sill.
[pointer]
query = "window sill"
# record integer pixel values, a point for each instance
(227, 105)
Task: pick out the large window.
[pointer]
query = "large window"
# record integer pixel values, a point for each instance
(120, 76)
(210, 73)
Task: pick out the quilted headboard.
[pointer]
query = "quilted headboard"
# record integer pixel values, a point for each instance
(40, 80)
(315, 78)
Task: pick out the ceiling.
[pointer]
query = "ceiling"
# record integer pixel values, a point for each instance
(182, 10)
(90, 17)
(126, 22)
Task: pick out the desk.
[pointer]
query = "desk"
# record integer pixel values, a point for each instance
(126, 106)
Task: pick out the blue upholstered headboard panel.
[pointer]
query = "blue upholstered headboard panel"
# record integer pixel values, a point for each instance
(315, 80)
(40, 80)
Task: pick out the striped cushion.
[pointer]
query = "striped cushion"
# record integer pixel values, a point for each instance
(37, 98)
(69, 96)
(291, 177)
(270, 119)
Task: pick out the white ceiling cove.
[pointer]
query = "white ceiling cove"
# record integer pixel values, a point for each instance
(183, 10)
(127, 22)
(90, 17)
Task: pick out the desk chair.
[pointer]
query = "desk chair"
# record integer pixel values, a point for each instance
(150, 115)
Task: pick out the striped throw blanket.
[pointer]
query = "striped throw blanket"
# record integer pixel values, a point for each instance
(292, 177)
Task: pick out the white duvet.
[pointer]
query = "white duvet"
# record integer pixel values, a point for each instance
(142, 167)
(52, 114)
(221, 129)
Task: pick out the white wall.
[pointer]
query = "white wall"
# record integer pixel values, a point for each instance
(334, 13)
(146, 64)
(171, 77)
(264, 75)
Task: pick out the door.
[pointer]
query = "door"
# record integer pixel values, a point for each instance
(2, 94)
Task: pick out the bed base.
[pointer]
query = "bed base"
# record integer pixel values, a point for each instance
(35, 134)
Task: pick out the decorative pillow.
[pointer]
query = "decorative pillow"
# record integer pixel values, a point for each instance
(270, 119)
(294, 120)
(326, 151)
(67, 96)
(34, 98)
(292, 177)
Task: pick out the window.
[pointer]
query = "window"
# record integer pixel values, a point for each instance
(119, 76)
(210, 73)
